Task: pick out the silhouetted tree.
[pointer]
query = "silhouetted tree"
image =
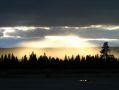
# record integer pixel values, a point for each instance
(105, 60)
(105, 51)
(32, 59)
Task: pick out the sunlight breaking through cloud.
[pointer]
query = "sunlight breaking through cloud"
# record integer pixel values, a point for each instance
(69, 36)
(63, 41)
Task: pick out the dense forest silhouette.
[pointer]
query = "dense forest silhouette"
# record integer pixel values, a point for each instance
(104, 60)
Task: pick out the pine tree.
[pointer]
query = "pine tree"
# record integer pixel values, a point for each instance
(105, 52)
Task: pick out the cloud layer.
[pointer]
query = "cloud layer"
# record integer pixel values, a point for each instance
(58, 12)
(96, 34)
(93, 31)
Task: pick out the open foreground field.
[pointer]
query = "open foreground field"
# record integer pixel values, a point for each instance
(56, 81)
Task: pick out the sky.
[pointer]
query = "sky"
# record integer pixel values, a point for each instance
(58, 23)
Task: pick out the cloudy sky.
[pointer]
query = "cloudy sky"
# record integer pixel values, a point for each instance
(58, 23)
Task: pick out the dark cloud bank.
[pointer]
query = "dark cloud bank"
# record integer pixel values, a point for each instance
(58, 12)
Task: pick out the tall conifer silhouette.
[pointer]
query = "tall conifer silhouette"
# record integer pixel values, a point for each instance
(105, 52)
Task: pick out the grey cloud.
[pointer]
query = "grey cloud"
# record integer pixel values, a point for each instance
(84, 33)
(38, 34)
(96, 33)
(58, 12)
(1, 34)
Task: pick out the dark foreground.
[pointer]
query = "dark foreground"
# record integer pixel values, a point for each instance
(59, 81)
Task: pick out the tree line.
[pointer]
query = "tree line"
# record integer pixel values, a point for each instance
(104, 60)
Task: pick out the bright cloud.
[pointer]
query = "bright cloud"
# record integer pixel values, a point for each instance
(104, 27)
(49, 36)
(58, 41)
